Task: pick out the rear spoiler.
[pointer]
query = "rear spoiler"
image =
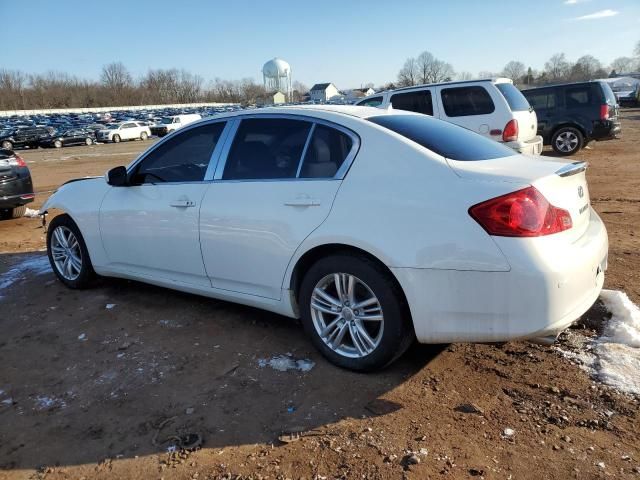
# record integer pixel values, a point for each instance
(572, 169)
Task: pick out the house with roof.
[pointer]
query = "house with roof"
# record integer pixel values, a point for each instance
(323, 92)
(271, 98)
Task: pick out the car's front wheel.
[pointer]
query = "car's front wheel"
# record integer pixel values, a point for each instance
(68, 253)
(354, 312)
(88, 141)
(144, 136)
(116, 139)
(567, 141)
(7, 145)
(57, 144)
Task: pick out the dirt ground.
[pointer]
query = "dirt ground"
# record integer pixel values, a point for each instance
(102, 383)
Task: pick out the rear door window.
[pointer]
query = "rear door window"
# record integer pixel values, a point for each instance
(542, 99)
(418, 101)
(266, 148)
(444, 138)
(465, 101)
(325, 153)
(517, 102)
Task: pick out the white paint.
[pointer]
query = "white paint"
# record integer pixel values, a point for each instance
(36, 265)
(82, 337)
(284, 363)
(31, 213)
(109, 306)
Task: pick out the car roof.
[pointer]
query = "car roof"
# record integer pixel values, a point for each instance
(334, 110)
(457, 82)
(559, 85)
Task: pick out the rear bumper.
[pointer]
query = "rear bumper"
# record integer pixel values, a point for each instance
(530, 147)
(606, 130)
(16, 192)
(550, 285)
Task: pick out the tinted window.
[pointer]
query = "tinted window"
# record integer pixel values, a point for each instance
(608, 93)
(326, 152)
(371, 102)
(443, 138)
(419, 102)
(578, 96)
(541, 99)
(463, 101)
(266, 148)
(517, 102)
(183, 158)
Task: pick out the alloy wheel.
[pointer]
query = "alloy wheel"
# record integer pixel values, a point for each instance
(66, 253)
(567, 141)
(347, 315)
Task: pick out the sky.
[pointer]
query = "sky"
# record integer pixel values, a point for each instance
(349, 43)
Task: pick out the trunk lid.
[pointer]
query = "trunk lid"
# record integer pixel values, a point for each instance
(527, 124)
(563, 184)
(520, 109)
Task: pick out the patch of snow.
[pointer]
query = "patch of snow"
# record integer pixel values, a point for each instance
(45, 403)
(82, 337)
(35, 265)
(109, 306)
(31, 213)
(7, 401)
(282, 363)
(614, 357)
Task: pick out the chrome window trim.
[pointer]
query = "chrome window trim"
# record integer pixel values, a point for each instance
(340, 174)
(225, 131)
(304, 150)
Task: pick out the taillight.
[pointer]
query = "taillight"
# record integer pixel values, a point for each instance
(17, 161)
(604, 112)
(510, 132)
(524, 213)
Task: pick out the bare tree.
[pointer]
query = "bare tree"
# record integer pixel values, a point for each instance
(623, 64)
(637, 49)
(463, 76)
(587, 67)
(557, 68)
(408, 74)
(115, 76)
(432, 70)
(514, 70)
(12, 85)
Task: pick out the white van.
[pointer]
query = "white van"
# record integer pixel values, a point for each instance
(494, 108)
(169, 124)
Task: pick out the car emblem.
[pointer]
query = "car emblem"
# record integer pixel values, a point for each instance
(580, 191)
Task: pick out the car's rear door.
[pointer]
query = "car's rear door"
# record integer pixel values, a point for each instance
(274, 187)
(150, 228)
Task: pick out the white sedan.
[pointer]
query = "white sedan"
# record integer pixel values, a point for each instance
(373, 226)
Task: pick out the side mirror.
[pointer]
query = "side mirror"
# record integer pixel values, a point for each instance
(117, 177)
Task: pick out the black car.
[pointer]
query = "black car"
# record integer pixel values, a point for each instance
(70, 137)
(16, 188)
(24, 137)
(572, 114)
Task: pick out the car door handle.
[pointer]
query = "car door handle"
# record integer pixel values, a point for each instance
(182, 203)
(302, 202)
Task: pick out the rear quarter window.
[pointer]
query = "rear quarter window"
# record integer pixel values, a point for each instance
(514, 97)
(465, 101)
(443, 138)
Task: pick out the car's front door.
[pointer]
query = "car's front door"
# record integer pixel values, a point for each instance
(277, 185)
(150, 227)
(129, 131)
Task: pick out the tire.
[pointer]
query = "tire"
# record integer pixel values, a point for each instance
(7, 145)
(144, 136)
(88, 141)
(76, 276)
(567, 141)
(116, 139)
(57, 144)
(17, 212)
(389, 329)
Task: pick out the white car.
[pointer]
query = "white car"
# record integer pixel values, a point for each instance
(374, 227)
(169, 124)
(117, 132)
(494, 108)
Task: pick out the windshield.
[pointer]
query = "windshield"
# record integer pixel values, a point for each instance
(443, 138)
(516, 100)
(5, 132)
(166, 120)
(113, 126)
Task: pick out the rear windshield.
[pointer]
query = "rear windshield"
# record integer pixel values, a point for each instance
(446, 139)
(516, 100)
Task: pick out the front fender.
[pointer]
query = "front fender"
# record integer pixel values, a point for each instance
(81, 200)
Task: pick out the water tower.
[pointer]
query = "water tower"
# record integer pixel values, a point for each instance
(276, 75)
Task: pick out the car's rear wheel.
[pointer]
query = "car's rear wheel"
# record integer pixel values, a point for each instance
(567, 141)
(88, 141)
(144, 136)
(354, 312)
(116, 139)
(7, 145)
(68, 253)
(57, 144)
